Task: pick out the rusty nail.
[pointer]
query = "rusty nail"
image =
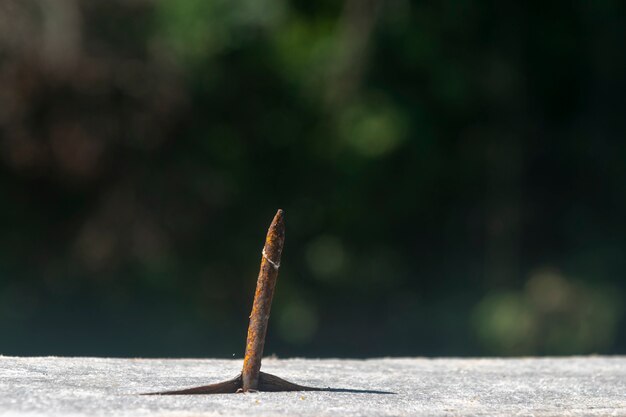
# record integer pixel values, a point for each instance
(266, 282)
(251, 377)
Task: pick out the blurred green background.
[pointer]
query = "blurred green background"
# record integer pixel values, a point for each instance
(453, 176)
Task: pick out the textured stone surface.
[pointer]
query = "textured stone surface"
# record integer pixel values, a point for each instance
(55, 386)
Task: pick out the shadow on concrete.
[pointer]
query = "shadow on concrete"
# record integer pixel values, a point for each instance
(267, 383)
(355, 391)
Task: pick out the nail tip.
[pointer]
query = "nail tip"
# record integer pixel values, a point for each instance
(279, 217)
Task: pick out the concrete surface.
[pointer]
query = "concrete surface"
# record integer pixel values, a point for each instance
(578, 386)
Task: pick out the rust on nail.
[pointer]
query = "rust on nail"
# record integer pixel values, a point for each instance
(262, 304)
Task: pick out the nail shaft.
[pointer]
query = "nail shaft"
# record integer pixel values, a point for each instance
(270, 263)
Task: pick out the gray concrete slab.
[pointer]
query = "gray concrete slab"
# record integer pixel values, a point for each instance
(577, 386)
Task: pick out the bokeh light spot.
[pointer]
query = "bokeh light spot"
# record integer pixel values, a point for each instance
(373, 130)
(326, 257)
(552, 315)
(297, 322)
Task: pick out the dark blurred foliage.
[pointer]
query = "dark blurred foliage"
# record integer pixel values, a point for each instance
(453, 176)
